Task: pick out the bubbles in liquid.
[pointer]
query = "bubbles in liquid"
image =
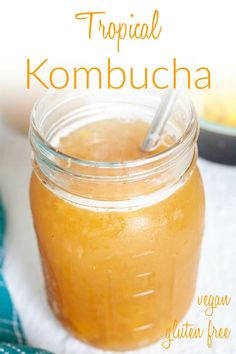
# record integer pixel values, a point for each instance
(117, 280)
(111, 140)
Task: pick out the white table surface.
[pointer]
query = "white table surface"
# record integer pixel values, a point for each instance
(217, 274)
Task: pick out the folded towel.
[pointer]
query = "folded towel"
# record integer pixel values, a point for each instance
(12, 339)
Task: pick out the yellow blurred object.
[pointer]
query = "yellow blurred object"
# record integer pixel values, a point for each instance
(220, 107)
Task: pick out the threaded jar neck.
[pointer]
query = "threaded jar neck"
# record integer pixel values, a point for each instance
(60, 112)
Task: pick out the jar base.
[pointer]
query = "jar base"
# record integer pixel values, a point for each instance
(115, 348)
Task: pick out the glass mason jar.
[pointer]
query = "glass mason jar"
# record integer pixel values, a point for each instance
(119, 241)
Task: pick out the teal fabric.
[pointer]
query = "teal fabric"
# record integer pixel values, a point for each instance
(9, 348)
(12, 339)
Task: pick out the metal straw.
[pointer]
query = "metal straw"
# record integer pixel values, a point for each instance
(160, 119)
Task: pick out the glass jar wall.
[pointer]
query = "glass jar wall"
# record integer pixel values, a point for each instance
(119, 231)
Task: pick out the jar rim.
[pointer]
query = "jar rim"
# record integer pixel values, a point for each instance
(192, 127)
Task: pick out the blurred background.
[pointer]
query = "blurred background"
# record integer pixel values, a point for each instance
(196, 33)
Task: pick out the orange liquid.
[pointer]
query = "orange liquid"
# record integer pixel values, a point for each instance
(118, 280)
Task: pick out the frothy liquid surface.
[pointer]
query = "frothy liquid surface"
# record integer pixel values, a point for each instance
(113, 140)
(118, 280)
